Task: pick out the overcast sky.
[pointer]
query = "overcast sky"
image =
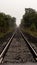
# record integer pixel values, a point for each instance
(16, 8)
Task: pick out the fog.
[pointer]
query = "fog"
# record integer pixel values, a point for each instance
(16, 8)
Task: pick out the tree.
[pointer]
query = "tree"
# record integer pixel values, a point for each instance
(6, 21)
(29, 18)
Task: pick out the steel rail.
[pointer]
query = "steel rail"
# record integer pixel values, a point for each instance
(30, 46)
(1, 55)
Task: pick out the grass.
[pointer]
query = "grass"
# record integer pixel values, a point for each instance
(33, 33)
(2, 34)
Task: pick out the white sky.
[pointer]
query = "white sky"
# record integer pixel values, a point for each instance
(16, 8)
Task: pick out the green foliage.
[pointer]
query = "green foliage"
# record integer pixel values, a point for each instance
(33, 27)
(6, 21)
(29, 19)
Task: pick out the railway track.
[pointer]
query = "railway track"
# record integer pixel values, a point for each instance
(18, 50)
